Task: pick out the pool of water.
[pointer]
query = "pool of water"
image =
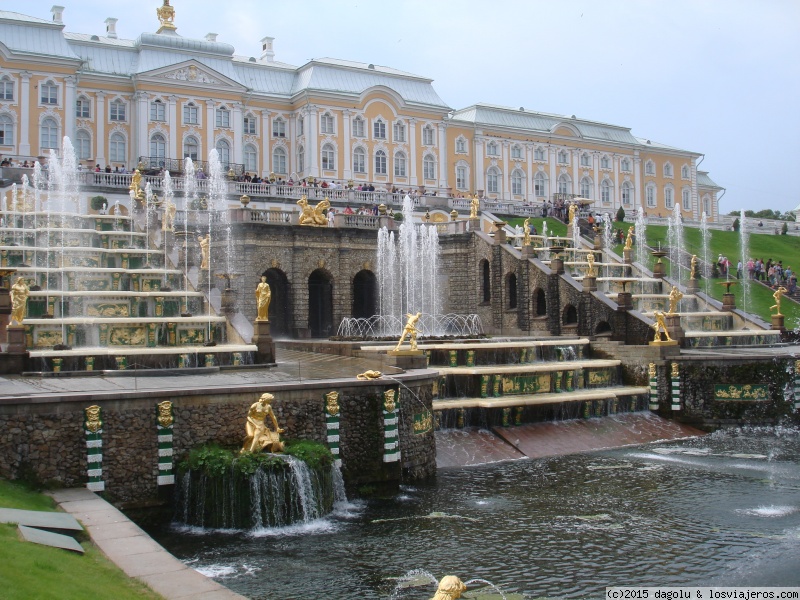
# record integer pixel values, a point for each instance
(719, 510)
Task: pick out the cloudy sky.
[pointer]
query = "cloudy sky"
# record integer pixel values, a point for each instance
(720, 77)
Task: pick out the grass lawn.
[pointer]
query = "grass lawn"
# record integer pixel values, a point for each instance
(31, 572)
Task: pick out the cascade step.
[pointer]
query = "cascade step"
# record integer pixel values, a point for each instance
(540, 399)
(533, 367)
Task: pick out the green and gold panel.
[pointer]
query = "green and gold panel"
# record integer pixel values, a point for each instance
(94, 285)
(191, 336)
(47, 338)
(527, 384)
(127, 336)
(749, 392)
(599, 377)
(108, 309)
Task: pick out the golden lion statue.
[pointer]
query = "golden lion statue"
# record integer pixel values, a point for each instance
(450, 588)
(313, 216)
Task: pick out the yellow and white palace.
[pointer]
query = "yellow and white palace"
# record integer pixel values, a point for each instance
(163, 96)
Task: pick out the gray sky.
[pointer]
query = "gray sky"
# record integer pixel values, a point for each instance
(721, 77)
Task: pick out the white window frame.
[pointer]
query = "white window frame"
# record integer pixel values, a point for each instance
(399, 132)
(191, 114)
(223, 148)
(605, 162)
(686, 199)
(625, 165)
(83, 107)
(563, 157)
(428, 137)
(627, 193)
(83, 144)
(328, 157)
(564, 184)
(250, 156)
(117, 111)
(492, 181)
(249, 126)
(649, 168)
(52, 90)
(187, 148)
(586, 187)
(461, 145)
(539, 154)
(516, 152)
(668, 171)
(117, 148)
(158, 111)
(158, 146)
(540, 185)
(461, 177)
(222, 118)
(400, 164)
(327, 124)
(517, 183)
(380, 162)
(6, 88)
(586, 160)
(301, 158)
(7, 129)
(278, 127)
(358, 127)
(492, 149)
(300, 126)
(606, 191)
(650, 193)
(379, 129)
(279, 161)
(669, 197)
(359, 160)
(429, 167)
(685, 172)
(50, 140)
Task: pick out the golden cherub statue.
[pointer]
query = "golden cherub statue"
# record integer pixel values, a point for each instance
(450, 588)
(259, 437)
(777, 295)
(573, 209)
(409, 330)
(313, 216)
(19, 300)
(674, 297)
(590, 271)
(170, 210)
(474, 206)
(629, 239)
(660, 326)
(137, 193)
(205, 246)
(693, 272)
(526, 232)
(263, 298)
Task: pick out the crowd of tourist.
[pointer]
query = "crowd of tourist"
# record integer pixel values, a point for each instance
(772, 273)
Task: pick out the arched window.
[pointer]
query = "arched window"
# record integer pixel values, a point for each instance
(399, 132)
(649, 168)
(461, 145)
(517, 182)
(400, 164)
(7, 88)
(491, 149)
(569, 315)
(605, 190)
(686, 199)
(328, 158)
(358, 127)
(707, 205)
(48, 133)
(6, 130)
(493, 180)
(486, 281)
(116, 148)
(540, 300)
(669, 197)
(462, 175)
(158, 146)
(379, 129)
(380, 162)
(301, 158)
(650, 194)
(359, 160)
(83, 108)
(685, 172)
(191, 147)
(83, 145)
(540, 184)
(668, 170)
(250, 158)
(428, 167)
(564, 184)
(511, 290)
(279, 160)
(627, 192)
(586, 187)
(224, 152)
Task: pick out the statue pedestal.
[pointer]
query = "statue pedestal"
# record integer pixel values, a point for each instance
(674, 327)
(777, 322)
(590, 284)
(692, 286)
(407, 359)
(728, 301)
(598, 242)
(627, 255)
(265, 353)
(659, 270)
(15, 358)
(528, 252)
(557, 265)
(624, 301)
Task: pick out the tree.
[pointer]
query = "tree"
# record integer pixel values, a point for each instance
(736, 224)
(621, 214)
(97, 202)
(785, 228)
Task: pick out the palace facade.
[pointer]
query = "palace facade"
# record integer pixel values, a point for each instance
(163, 97)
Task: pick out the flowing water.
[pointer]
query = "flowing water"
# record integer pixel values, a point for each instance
(745, 256)
(706, 237)
(719, 510)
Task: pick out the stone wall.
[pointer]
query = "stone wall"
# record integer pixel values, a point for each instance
(44, 438)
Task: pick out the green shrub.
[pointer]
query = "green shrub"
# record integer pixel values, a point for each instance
(784, 228)
(736, 224)
(215, 461)
(314, 454)
(97, 202)
(398, 216)
(621, 214)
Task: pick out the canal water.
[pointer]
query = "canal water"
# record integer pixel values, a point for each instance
(721, 510)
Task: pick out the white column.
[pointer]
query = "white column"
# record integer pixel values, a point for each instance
(100, 120)
(412, 151)
(638, 192)
(617, 199)
(70, 96)
(576, 172)
(529, 193)
(697, 210)
(506, 194)
(266, 156)
(312, 152)
(140, 123)
(347, 172)
(238, 133)
(25, 113)
(210, 124)
(172, 122)
(479, 169)
(596, 177)
(552, 157)
(292, 143)
(443, 155)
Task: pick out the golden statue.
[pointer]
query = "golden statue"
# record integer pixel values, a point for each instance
(590, 271)
(166, 16)
(165, 418)
(263, 298)
(259, 437)
(629, 239)
(474, 206)
(409, 330)
(777, 295)
(170, 210)
(693, 274)
(137, 193)
(526, 233)
(674, 297)
(450, 588)
(19, 300)
(313, 216)
(205, 245)
(660, 326)
(573, 209)
(367, 375)
(93, 421)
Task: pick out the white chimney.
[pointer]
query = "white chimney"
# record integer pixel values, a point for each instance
(58, 14)
(111, 28)
(267, 52)
(211, 37)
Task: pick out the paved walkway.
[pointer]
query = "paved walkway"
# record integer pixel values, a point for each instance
(135, 552)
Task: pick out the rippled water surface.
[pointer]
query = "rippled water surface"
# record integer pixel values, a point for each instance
(724, 510)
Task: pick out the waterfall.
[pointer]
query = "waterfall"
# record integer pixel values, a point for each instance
(675, 241)
(704, 232)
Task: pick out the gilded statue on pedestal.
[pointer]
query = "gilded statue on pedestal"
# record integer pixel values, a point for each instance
(590, 271)
(410, 330)
(205, 245)
(137, 193)
(19, 300)
(694, 267)
(259, 437)
(169, 217)
(313, 216)
(777, 295)
(674, 297)
(263, 298)
(629, 239)
(660, 326)
(573, 209)
(526, 233)
(474, 206)
(450, 588)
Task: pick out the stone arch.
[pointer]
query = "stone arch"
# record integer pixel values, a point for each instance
(280, 305)
(603, 328)
(511, 290)
(365, 294)
(320, 303)
(486, 281)
(539, 302)
(569, 315)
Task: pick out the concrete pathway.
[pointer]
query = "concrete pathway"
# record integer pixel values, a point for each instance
(135, 552)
